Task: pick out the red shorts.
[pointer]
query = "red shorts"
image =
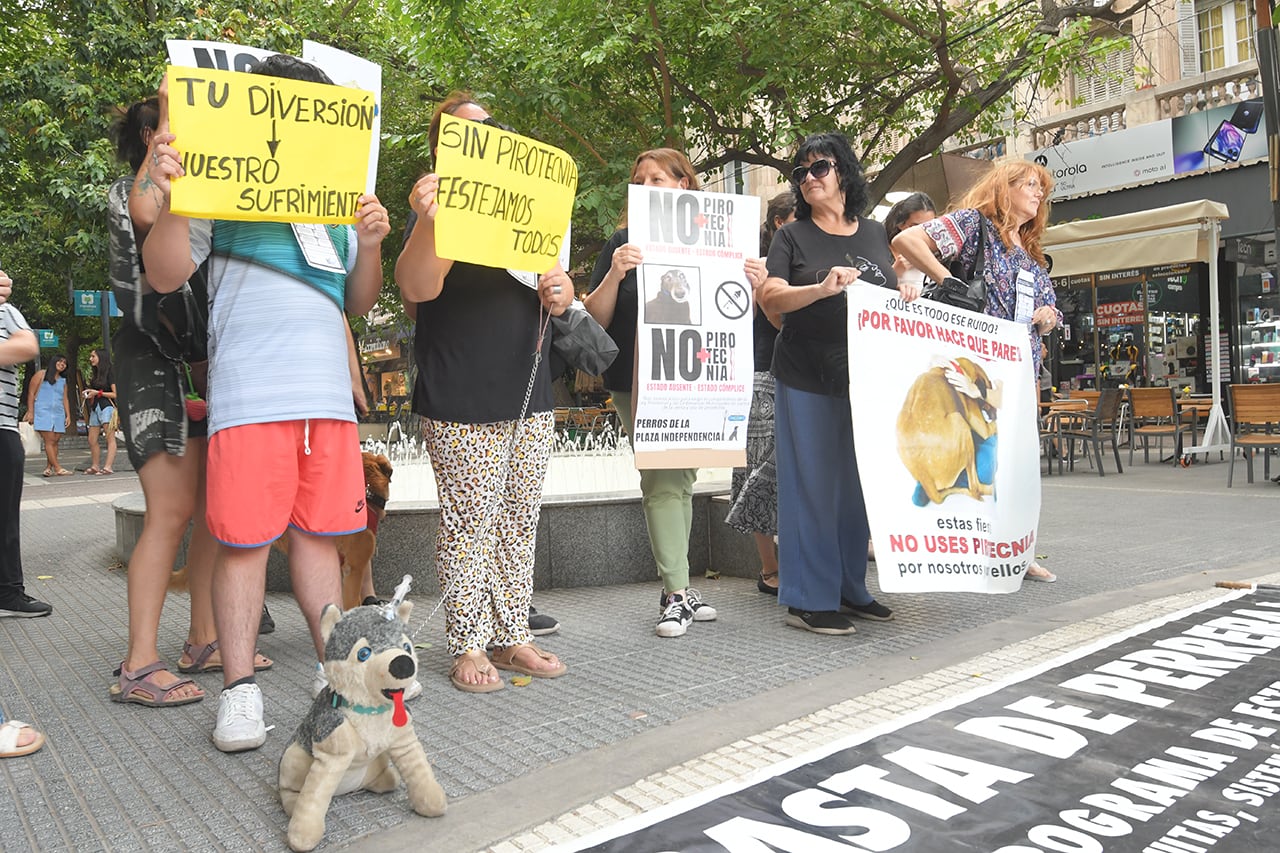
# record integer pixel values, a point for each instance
(262, 478)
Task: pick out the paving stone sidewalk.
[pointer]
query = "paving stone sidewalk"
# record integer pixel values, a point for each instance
(633, 710)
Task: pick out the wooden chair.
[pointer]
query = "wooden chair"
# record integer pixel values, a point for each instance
(1255, 425)
(1093, 427)
(1154, 413)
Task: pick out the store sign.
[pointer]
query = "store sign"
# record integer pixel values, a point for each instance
(1242, 250)
(373, 345)
(1125, 313)
(48, 338)
(88, 303)
(1155, 151)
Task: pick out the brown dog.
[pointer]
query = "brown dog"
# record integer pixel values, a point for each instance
(355, 550)
(937, 425)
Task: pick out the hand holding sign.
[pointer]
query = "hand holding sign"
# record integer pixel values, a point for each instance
(555, 290)
(422, 198)
(372, 223)
(166, 162)
(626, 258)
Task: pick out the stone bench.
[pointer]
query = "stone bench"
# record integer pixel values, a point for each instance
(583, 540)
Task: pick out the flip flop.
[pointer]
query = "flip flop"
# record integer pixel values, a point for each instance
(9, 739)
(106, 471)
(505, 658)
(200, 659)
(92, 470)
(63, 472)
(1047, 577)
(482, 666)
(48, 472)
(140, 688)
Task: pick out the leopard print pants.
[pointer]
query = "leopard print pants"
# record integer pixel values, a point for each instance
(488, 585)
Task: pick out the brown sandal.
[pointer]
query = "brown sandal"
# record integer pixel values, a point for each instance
(505, 658)
(482, 666)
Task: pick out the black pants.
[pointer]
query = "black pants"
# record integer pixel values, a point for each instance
(12, 458)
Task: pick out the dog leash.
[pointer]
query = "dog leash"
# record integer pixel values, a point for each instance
(483, 530)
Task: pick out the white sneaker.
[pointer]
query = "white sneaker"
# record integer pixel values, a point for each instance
(702, 612)
(676, 617)
(240, 725)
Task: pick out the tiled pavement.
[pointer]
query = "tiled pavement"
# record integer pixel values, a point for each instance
(638, 721)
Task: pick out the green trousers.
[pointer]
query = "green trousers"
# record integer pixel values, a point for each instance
(667, 499)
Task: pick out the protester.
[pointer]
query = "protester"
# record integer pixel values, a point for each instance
(18, 344)
(284, 450)
(912, 210)
(478, 327)
(165, 444)
(822, 520)
(1011, 198)
(754, 489)
(100, 398)
(49, 410)
(667, 494)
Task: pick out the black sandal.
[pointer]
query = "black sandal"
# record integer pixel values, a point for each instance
(764, 587)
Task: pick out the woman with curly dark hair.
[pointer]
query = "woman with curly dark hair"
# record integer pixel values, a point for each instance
(822, 520)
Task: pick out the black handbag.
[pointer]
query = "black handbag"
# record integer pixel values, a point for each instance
(582, 342)
(960, 290)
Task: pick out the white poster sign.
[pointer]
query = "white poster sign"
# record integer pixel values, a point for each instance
(944, 422)
(693, 335)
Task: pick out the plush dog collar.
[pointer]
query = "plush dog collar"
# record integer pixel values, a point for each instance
(338, 701)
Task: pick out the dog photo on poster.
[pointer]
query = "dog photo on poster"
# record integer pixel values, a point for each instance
(945, 434)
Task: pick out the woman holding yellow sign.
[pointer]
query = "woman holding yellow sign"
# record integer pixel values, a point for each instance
(476, 327)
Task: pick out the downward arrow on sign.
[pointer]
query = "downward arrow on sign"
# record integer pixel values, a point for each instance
(273, 143)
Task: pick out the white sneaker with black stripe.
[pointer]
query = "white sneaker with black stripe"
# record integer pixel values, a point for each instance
(676, 616)
(702, 612)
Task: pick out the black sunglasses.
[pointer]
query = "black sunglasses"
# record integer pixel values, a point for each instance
(493, 122)
(818, 168)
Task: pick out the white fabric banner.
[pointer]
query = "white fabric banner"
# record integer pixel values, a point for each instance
(944, 421)
(693, 334)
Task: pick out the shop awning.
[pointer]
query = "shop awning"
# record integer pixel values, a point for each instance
(1176, 234)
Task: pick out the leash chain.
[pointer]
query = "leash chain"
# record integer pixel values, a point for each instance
(483, 530)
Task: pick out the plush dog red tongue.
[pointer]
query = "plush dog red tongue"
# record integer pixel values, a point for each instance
(399, 716)
(197, 409)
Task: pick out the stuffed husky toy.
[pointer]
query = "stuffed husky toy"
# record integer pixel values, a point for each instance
(358, 726)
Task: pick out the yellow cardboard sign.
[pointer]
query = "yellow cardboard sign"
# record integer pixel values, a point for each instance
(267, 148)
(505, 200)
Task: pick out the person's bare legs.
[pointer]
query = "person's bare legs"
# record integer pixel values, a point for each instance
(51, 451)
(169, 485)
(95, 452)
(111, 453)
(239, 582)
(315, 573)
(768, 559)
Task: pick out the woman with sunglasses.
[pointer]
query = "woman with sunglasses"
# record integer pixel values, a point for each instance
(1012, 199)
(822, 520)
(478, 327)
(667, 494)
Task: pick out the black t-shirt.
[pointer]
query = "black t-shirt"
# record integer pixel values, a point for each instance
(812, 351)
(474, 346)
(620, 375)
(763, 334)
(103, 384)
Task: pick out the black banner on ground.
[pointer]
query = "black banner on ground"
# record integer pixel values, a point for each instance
(1159, 740)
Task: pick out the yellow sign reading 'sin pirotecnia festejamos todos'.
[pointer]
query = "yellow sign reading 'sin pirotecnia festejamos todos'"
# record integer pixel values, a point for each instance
(267, 148)
(505, 200)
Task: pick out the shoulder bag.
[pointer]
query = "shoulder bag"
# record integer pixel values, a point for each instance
(582, 342)
(960, 290)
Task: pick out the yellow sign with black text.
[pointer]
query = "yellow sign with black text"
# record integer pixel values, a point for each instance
(505, 200)
(267, 148)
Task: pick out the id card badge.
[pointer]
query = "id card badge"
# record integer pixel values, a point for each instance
(317, 248)
(1026, 297)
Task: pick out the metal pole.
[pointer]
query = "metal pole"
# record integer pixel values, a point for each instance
(1267, 62)
(106, 323)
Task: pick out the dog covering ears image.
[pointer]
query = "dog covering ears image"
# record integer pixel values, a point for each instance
(358, 733)
(947, 431)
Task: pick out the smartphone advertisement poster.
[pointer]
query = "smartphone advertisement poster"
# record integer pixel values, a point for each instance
(944, 423)
(1210, 139)
(694, 357)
